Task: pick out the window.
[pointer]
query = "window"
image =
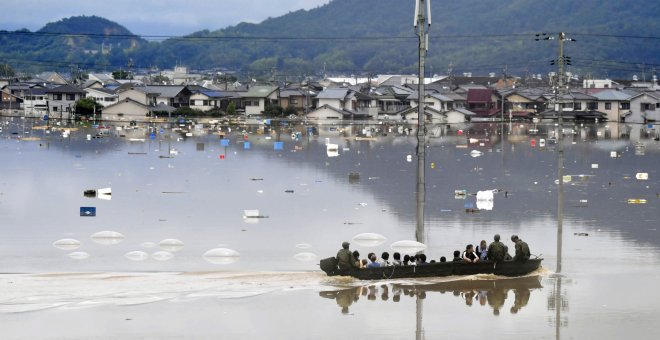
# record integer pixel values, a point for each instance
(55, 108)
(592, 106)
(294, 101)
(647, 107)
(625, 106)
(577, 106)
(206, 103)
(71, 97)
(608, 106)
(57, 96)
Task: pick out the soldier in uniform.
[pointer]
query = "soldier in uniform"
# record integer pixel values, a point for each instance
(497, 250)
(345, 260)
(522, 249)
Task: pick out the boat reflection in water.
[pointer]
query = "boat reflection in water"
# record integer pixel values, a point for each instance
(485, 292)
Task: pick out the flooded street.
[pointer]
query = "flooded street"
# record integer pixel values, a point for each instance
(218, 231)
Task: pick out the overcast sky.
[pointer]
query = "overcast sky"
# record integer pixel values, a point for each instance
(150, 17)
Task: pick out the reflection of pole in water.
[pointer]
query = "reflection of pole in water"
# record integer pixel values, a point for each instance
(419, 329)
(558, 307)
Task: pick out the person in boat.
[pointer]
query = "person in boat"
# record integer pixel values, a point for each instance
(384, 260)
(374, 263)
(369, 257)
(396, 259)
(482, 250)
(497, 250)
(356, 258)
(469, 255)
(345, 260)
(406, 260)
(522, 249)
(422, 260)
(457, 256)
(443, 259)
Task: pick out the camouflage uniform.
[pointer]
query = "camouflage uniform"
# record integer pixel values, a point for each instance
(522, 251)
(345, 259)
(496, 251)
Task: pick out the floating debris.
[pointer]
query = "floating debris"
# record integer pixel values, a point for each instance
(221, 256)
(87, 211)
(107, 238)
(594, 166)
(247, 214)
(171, 244)
(581, 234)
(67, 244)
(305, 257)
(162, 256)
(369, 239)
(137, 256)
(408, 247)
(636, 201)
(289, 191)
(642, 176)
(79, 255)
(476, 153)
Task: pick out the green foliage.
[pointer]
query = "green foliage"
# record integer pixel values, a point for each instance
(290, 110)
(456, 38)
(86, 106)
(231, 109)
(187, 112)
(273, 111)
(6, 71)
(121, 74)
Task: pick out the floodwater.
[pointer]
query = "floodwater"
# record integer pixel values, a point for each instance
(217, 233)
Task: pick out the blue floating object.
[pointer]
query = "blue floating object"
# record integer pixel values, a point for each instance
(45, 117)
(224, 142)
(267, 121)
(310, 130)
(278, 145)
(650, 126)
(246, 145)
(87, 211)
(162, 130)
(469, 205)
(152, 136)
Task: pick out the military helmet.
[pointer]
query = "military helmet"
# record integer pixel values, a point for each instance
(345, 245)
(497, 237)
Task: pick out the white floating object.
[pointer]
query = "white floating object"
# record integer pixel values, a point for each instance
(476, 153)
(409, 158)
(541, 142)
(162, 256)
(107, 237)
(487, 195)
(613, 154)
(369, 239)
(221, 256)
(473, 140)
(67, 244)
(642, 176)
(332, 150)
(568, 179)
(305, 257)
(303, 245)
(171, 245)
(594, 166)
(137, 256)
(79, 255)
(253, 213)
(148, 245)
(408, 247)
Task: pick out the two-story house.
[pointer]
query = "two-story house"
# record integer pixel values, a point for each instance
(614, 103)
(258, 98)
(62, 100)
(644, 107)
(103, 96)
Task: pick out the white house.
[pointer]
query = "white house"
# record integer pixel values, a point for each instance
(338, 97)
(62, 100)
(35, 102)
(207, 100)
(140, 94)
(435, 101)
(644, 107)
(258, 98)
(102, 96)
(614, 103)
(127, 109)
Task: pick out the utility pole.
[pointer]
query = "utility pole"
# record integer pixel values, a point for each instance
(421, 24)
(559, 91)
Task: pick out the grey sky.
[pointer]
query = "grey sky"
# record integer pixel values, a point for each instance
(150, 17)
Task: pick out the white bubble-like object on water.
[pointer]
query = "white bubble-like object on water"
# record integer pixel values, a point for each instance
(171, 244)
(137, 256)
(79, 255)
(67, 244)
(148, 245)
(108, 238)
(221, 256)
(408, 247)
(303, 245)
(162, 256)
(305, 257)
(369, 239)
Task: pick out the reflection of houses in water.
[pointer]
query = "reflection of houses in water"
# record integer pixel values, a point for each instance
(492, 293)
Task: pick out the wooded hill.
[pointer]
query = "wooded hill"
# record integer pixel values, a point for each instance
(614, 37)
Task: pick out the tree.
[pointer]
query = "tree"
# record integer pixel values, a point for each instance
(121, 74)
(6, 71)
(87, 106)
(231, 109)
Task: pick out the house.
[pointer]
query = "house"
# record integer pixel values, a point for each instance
(207, 100)
(62, 100)
(140, 94)
(483, 102)
(599, 84)
(411, 114)
(172, 95)
(298, 99)
(332, 113)
(644, 107)
(52, 77)
(337, 97)
(35, 102)
(259, 98)
(103, 96)
(127, 109)
(523, 102)
(614, 103)
(433, 100)
(392, 99)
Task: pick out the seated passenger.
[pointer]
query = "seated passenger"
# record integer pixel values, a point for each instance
(356, 258)
(457, 256)
(406, 260)
(396, 259)
(364, 263)
(374, 263)
(422, 260)
(482, 250)
(469, 255)
(443, 259)
(384, 260)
